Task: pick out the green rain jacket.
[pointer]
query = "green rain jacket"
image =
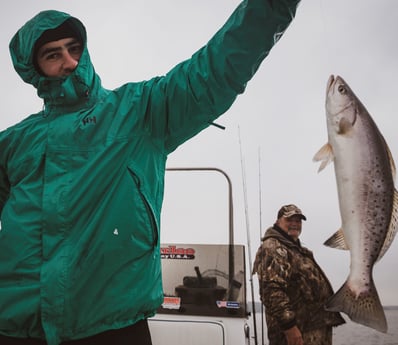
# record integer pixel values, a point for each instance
(81, 182)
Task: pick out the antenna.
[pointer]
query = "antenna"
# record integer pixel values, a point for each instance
(248, 239)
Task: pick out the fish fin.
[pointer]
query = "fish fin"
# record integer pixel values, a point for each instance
(365, 309)
(325, 154)
(337, 241)
(392, 229)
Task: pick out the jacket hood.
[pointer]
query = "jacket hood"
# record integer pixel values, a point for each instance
(64, 90)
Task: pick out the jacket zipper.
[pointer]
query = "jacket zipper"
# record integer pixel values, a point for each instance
(148, 208)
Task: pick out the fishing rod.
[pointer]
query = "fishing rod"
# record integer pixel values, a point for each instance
(248, 239)
(261, 229)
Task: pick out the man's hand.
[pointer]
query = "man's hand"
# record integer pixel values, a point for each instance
(293, 336)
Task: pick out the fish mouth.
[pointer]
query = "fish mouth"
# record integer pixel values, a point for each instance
(329, 83)
(332, 81)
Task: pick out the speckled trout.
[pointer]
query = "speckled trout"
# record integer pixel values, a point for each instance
(368, 200)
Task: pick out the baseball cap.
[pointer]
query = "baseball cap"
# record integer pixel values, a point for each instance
(290, 210)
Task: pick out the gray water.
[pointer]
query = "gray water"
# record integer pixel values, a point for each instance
(354, 334)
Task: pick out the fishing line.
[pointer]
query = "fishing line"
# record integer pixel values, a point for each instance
(261, 229)
(248, 237)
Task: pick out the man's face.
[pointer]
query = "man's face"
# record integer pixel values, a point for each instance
(291, 225)
(59, 58)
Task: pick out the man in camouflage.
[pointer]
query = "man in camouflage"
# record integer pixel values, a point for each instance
(293, 287)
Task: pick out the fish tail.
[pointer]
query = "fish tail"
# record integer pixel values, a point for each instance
(365, 308)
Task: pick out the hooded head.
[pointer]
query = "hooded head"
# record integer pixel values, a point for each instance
(65, 30)
(80, 86)
(41, 29)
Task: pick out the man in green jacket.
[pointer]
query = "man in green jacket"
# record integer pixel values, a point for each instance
(81, 182)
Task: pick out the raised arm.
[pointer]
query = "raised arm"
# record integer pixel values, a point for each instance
(200, 89)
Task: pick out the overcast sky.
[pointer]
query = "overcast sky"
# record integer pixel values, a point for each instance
(280, 119)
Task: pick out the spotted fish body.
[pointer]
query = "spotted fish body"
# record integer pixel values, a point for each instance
(368, 200)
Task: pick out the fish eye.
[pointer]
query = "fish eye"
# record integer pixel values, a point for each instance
(342, 89)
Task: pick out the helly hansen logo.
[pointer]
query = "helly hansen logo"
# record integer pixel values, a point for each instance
(90, 120)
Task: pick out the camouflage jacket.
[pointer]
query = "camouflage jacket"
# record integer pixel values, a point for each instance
(293, 287)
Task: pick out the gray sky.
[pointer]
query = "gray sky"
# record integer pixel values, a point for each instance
(280, 118)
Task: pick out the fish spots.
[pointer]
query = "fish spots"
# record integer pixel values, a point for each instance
(364, 174)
